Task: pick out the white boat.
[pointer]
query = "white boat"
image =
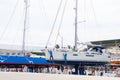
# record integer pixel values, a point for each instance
(93, 54)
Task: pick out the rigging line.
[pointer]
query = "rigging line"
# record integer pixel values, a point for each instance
(61, 21)
(44, 11)
(85, 19)
(96, 23)
(93, 11)
(54, 22)
(21, 20)
(9, 20)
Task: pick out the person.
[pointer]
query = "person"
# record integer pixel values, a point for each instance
(73, 70)
(51, 55)
(65, 57)
(62, 68)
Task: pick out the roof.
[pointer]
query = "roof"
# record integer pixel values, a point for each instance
(113, 42)
(22, 60)
(97, 46)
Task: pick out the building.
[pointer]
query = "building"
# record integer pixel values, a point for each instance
(12, 52)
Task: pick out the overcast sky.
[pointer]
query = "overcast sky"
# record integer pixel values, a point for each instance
(102, 21)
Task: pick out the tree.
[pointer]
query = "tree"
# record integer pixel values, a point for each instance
(57, 46)
(69, 46)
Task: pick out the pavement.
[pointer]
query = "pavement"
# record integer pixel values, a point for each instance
(47, 76)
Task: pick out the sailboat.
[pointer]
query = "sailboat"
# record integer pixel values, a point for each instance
(94, 54)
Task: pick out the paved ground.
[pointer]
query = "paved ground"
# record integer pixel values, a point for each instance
(43, 76)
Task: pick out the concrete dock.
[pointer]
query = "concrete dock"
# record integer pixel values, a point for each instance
(44, 76)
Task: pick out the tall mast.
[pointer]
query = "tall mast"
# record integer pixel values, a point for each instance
(25, 23)
(76, 5)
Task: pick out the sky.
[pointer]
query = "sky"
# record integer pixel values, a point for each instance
(97, 20)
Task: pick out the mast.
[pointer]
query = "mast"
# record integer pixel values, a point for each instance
(24, 30)
(76, 9)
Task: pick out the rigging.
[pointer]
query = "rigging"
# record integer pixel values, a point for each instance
(58, 34)
(54, 23)
(10, 19)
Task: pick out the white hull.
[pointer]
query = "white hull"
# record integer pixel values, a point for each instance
(79, 56)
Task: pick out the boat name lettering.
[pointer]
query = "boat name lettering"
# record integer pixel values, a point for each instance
(75, 54)
(90, 55)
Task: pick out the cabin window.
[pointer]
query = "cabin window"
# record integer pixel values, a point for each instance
(75, 54)
(13, 53)
(7, 53)
(18, 53)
